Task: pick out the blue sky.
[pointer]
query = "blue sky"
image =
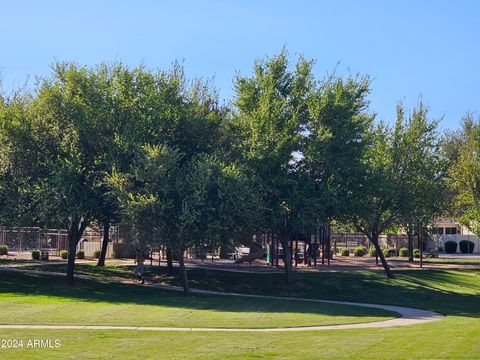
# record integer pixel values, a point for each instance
(410, 48)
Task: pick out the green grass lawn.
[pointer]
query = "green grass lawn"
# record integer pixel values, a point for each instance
(456, 293)
(41, 299)
(11, 261)
(445, 291)
(456, 261)
(439, 261)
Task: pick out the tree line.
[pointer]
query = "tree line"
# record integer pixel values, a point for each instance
(160, 153)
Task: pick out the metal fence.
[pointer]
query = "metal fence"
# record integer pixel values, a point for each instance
(349, 241)
(25, 239)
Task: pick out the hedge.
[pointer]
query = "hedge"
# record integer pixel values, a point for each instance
(360, 251)
(36, 255)
(451, 247)
(466, 246)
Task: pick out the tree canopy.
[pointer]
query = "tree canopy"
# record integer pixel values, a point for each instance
(159, 152)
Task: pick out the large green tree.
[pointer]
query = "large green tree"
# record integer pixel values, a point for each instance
(183, 204)
(423, 186)
(272, 111)
(465, 175)
(401, 162)
(180, 187)
(336, 139)
(376, 203)
(62, 149)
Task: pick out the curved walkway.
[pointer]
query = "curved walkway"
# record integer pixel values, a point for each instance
(408, 316)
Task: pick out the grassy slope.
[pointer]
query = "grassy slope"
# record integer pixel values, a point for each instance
(93, 303)
(454, 293)
(446, 291)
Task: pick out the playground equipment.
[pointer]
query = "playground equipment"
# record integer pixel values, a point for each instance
(256, 252)
(304, 248)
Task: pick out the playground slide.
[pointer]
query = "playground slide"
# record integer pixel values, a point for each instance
(257, 254)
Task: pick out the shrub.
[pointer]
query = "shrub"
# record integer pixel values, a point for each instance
(416, 253)
(433, 254)
(450, 247)
(96, 254)
(403, 252)
(64, 254)
(344, 252)
(372, 251)
(386, 252)
(36, 255)
(392, 251)
(360, 251)
(3, 250)
(81, 254)
(466, 246)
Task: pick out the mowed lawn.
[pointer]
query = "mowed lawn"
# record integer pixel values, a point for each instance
(453, 293)
(43, 299)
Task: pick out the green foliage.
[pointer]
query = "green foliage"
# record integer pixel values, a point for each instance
(360, 251)
(36, 254)
(96, 254)
(465, 174)
(422, 184)
(392, 251)
(451, 247)
(272, 112)
(466, 246)
(3, 250)
(372, 251)
(81, 254)
(335, 146)
(416, 253)
(403, 166)
(344, 252)
(403, 252)
(159, 153)
(64, 254)
(389, 252)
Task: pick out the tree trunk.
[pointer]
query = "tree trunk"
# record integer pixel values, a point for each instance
(183, 271)
(169, 262)
(388, 271)
(72, 247)
(410, 246)
(103, 253)
(75, 232)
(285, 239)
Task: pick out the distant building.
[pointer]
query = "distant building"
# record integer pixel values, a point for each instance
(447, 229)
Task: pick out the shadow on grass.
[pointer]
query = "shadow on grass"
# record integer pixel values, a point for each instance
(451, 292)
(35, 284)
